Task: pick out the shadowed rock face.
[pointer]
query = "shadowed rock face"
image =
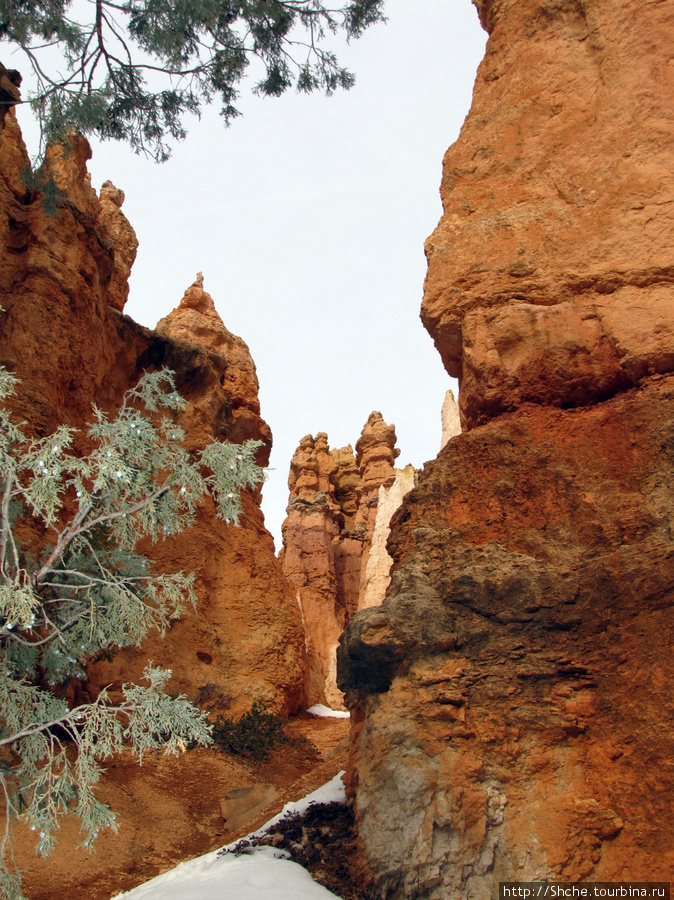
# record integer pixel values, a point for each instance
(523, 658)
(63, 286)
(511, 698)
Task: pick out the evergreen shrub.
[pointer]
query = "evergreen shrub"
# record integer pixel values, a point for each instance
(257, 733)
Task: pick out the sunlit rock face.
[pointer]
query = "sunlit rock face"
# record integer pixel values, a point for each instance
(378, 566)
(333, 553)
(450, 418)
(63, 286)
(511, 698)
(549, 274)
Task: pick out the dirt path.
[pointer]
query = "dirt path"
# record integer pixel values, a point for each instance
(169, 811)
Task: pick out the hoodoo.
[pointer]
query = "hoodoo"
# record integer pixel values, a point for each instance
(334, 539)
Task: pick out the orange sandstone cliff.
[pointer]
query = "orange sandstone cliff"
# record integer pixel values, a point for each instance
(512, 697)
(63, 284)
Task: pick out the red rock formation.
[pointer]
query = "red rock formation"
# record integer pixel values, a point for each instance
(549, 273)
(375, 455)
(308, 560)
(346, 480)
(196, 321)
(311, 469)
(511, 698)
(310, 533)
(348, 549)
(63, 285)
(327, 536)
(112, 222)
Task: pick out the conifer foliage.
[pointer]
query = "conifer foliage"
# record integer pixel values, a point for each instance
(136, 67)
(87, 590)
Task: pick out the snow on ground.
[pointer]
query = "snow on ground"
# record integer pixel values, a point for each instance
(261, 875)
(320, 710)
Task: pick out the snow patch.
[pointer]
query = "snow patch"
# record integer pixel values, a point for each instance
(320, 710)
(262, 875)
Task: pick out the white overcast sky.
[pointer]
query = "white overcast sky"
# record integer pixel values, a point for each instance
(307, 218)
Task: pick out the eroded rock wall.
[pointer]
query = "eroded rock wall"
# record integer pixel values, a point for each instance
(511, 699)
(63, 286)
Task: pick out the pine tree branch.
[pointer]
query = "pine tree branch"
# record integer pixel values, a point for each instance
(90, 579)
(5, 531)
(79, 526)
(56, 632)
(9, 811)
(111, 517)
(71, 716)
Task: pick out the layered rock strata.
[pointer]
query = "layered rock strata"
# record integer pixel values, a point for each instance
(511, 698)
(336, 500)
(63, 286)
